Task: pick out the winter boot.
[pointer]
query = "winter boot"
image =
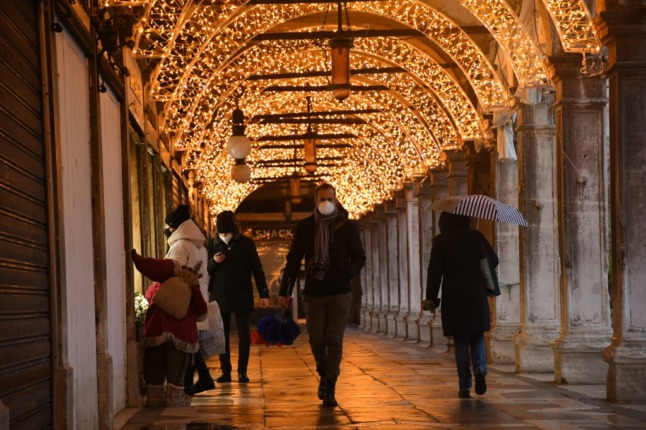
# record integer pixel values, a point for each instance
(330, 388)
(321, 391)
(155, 396)
(176, 398)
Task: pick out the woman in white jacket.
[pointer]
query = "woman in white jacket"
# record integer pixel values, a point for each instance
(187, 247)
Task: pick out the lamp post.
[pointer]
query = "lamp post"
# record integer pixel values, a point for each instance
(340, 46)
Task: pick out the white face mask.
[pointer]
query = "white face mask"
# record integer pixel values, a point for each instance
(326, 208)
(226, 237)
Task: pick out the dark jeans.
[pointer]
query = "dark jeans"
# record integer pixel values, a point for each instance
(244, 342)
(469, 353)
(326, 321)
(165, 363)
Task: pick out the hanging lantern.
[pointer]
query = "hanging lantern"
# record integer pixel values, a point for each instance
(295, 189)
(241, 172)
(340, 52)
(310, 152)
(340, 46)
(310, 142)
(238, 146)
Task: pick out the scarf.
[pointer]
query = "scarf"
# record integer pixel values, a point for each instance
(322, 238)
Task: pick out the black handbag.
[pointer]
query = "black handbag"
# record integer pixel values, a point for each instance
(489, 276)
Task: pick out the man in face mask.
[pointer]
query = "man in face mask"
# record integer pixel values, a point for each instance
(233, 259)
(334, 254)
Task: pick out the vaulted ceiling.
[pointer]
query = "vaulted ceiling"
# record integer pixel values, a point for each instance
(426, 77)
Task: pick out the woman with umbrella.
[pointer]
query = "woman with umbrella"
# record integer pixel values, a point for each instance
(455, 266)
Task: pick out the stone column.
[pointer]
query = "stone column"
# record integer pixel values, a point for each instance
(539, 260)
(580, 108)
(439, 186)
(425, 221)
(393, 268)
(413, 269)
(621, 26)
(376, 272)
(507, 305)
(367, 299)
(383, 287)
(402, 252)
(457, 176)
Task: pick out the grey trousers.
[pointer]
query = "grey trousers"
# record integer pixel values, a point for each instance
(326, 321)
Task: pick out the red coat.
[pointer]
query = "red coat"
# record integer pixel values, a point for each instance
(159, 327)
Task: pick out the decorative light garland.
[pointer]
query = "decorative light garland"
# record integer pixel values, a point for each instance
(200, 63)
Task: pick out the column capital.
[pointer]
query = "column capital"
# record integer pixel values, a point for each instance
(457, 163)
(621, 28)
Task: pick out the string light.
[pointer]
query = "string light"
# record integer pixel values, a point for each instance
(203, 55)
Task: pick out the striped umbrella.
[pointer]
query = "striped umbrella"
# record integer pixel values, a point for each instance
(479, 206)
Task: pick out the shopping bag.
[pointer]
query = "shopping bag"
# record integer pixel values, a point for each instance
(490, 277)
(212, 340)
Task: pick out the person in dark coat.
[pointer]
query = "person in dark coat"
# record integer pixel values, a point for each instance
(455, 266)
(331, 245)
(233, 259)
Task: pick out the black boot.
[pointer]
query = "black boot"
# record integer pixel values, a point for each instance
(321, 392)
(330, 388)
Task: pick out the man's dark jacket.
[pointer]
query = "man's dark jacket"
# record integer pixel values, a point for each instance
(346, 258)
(230, 281)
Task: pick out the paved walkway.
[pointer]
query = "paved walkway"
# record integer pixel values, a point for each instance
(384, 384)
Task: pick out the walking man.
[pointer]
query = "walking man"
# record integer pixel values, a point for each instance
(334, 254)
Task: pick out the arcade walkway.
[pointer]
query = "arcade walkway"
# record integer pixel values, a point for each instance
(385, 384)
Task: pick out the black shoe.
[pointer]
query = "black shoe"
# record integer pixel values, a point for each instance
(225, 377)
(481, 382)
(243, 379)
(189, 390)
(321, 391)
(464, 394)
(204, 385)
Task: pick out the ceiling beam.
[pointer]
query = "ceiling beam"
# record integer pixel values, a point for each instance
(317, 113)
(303, 1)
(300, 146)
(313, 121)
(368, 32)
(293, 161)
(263, 180)
(301, 137)
(323, 73)
(286, 88)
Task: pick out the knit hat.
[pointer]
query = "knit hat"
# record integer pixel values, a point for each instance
(178, 216)
(157, 269)
(224, 222)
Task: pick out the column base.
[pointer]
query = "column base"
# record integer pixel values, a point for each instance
(626, 381)
(374, 321)
(391, 324)
(502, 346)
(365, 319)
(424, 329)
(400, 321)
(383, 322)
(533, 351)
(579, 360)
(412, 330)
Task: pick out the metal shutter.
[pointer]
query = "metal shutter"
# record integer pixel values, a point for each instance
(25, 336)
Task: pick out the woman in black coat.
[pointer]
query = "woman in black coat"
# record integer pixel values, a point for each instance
(455, 266)
(233, 259)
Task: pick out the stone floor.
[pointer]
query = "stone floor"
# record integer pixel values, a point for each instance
(384, 384)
